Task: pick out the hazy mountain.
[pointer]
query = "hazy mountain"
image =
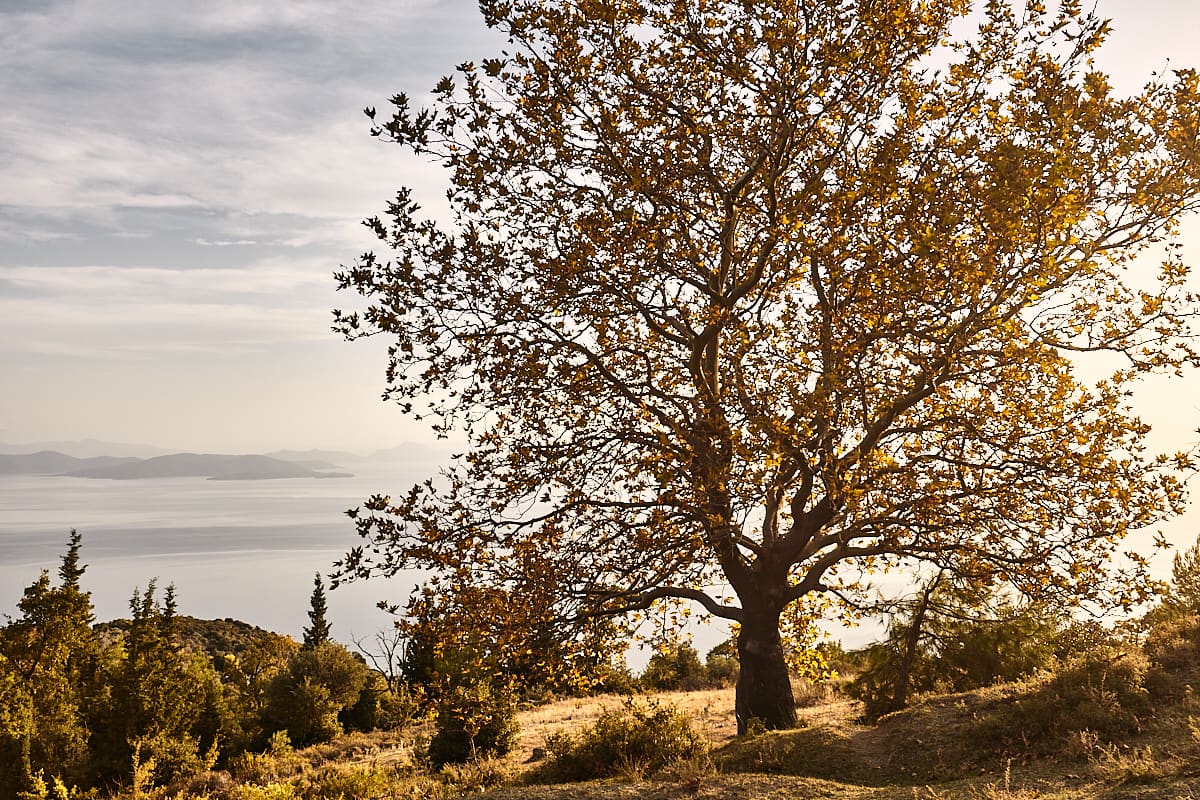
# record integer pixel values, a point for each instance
(49, 462)
(207, 465)
(89, 448)
(308, 457)
(413, 452)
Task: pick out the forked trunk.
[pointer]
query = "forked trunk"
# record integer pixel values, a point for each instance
(764, 690)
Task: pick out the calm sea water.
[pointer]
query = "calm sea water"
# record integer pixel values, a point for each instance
(241, 549)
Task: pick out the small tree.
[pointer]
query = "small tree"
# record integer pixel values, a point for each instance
(320, 683)
(475, 719)
(48, 660)
(317, 632)
(158, 697)
(953, 637)
(721, 665)
(675, 665)
(1182, 597)
(386, 655)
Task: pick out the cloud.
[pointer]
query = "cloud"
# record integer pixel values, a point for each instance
(133, 313)
(227, 107)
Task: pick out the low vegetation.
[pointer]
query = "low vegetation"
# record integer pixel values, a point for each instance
(165, 707)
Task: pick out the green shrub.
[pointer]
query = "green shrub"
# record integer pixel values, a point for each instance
(319, 684)
(279, 761)
(961, 644)
(351, 783)
(1101, 691)
(1174, 644)
(676, 666)
(639, 738)
(476, 776)
(721, 664)
(614, 679)
(473, 721)
(271, 791)
(381, 708)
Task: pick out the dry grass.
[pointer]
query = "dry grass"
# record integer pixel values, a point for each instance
(711, 712)
(932, 751)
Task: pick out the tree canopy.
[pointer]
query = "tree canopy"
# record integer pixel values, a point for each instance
(769, 295)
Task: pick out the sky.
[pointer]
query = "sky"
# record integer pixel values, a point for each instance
(179, 180)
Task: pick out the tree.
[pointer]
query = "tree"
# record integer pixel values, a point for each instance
(47, 662)
(159, 704)
(951, 636)
(386, 656)
(769, 295)
(317, 633)
(1183, 597)
(321, 682)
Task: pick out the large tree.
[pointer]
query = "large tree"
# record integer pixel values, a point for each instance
(767, 294)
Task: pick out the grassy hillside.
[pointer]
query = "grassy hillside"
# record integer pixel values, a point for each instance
(1118, 719)
(969, 746)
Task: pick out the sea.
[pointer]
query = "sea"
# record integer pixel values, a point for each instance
(245, 550)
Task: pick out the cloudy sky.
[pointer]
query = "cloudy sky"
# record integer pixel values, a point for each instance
(179, 180)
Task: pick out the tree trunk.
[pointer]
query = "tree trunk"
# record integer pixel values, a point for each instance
(912, 637)
(764, 690)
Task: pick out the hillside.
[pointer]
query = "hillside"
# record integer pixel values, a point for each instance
(51, 462)
(943, 748)
(215, 638)
(1118, 720)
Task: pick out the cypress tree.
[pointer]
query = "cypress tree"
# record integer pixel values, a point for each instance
(318, 632)
(71, 570)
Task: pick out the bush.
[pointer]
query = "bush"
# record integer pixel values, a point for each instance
(271, 791)
(1102, 692)
(1174, 644)
(337, 784)
(675, 667)
(381, 708)
(476, 776)
(614, 679)
(473, 721)
(319, 684)
(642, 738)
(279, 761)
(721, 664)
(957, 652)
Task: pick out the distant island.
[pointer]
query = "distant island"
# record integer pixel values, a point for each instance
(177, 465)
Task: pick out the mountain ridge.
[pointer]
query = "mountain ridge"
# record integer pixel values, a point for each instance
(214, 466)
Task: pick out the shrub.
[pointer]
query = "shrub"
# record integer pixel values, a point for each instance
(721, 664)
(1102, 691)
(476, 776)
(350, 783)
(279, 761)
(381, 708)
(271, 791)
(614, 679)
(1174, 644)
(473, 721)
(318, 684)
(636, 737)
(676, 666)
(961, 643)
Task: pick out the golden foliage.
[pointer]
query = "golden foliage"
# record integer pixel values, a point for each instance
(775, 294)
